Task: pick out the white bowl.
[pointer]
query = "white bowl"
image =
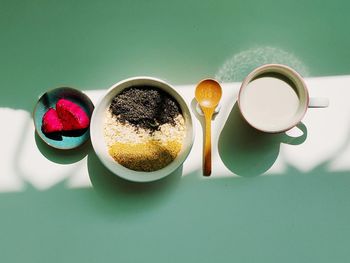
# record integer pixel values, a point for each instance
(99, 144)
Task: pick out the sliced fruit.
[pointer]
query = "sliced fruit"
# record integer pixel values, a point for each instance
(72, 116)
(51, 122)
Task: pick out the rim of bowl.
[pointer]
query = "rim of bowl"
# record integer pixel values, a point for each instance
(99, 144)
(86, 98)
(272, 68)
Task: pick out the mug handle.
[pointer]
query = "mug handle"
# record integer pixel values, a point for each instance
(319, 102)
(296, 140)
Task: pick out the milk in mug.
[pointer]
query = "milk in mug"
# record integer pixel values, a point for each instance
(269, 101)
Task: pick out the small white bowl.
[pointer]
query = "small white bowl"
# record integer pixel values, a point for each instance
(99, 144)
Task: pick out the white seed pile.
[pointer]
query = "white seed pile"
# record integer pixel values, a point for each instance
(115, 131)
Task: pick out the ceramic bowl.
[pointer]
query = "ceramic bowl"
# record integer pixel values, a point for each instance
(97, 126)
(62, 141)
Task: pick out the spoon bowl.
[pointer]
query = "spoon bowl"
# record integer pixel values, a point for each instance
(208, 93)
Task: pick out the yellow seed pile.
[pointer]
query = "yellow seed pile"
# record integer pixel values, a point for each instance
(148, 156)
(140, 150)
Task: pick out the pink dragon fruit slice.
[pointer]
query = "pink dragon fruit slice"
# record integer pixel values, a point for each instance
(72, 116)
(51, 122)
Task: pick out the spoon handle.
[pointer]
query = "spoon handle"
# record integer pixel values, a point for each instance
(207, 145)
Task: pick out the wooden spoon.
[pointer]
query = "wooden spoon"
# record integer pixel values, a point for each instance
(208, 94)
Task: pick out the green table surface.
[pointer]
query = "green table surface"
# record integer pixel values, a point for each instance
(93, 44)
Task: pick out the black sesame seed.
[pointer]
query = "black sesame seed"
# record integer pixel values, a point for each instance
(145, 107)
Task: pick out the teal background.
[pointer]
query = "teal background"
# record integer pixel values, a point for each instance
(293, 217)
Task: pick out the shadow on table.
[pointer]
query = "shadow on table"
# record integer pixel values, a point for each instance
(62, 156)
(126, 195)
(248, 152)
(115, 195)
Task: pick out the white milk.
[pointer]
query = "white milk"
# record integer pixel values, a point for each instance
(269, 102)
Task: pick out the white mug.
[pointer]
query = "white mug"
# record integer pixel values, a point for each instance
(274, 98)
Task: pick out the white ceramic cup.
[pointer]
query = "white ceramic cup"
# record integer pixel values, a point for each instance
(273, 123)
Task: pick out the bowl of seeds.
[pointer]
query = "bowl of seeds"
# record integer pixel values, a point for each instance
(142, 129)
